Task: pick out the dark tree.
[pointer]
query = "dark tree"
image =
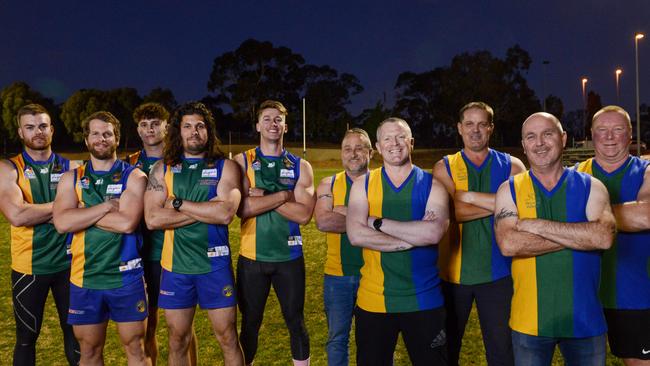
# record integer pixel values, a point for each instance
(163, 96)
(327, 93)
(432, 99)
(254, 72)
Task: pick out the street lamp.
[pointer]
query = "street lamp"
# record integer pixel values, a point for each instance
(637, 37)
(619, 71)
(584, 106)
(544, 63)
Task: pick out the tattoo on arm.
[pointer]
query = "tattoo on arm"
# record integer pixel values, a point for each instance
(324, 195)
(154, 185)
(505, 213)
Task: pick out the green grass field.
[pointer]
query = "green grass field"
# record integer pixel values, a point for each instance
(274, 338)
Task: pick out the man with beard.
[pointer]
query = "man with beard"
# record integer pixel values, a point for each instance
(554, 222)
(101, 203)
(193, 194)
(278, 196)
(343, 260)
(40, 260)
(625, 284)
(398, 213)
(471, 264)
(151, 119)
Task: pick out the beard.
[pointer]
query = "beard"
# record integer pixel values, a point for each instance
(37, 144)
(195, 147)
(104, 154)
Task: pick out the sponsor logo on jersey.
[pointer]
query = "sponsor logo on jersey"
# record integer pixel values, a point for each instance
(286, 173)
(44, 170)
(114, 189)
(209, 173)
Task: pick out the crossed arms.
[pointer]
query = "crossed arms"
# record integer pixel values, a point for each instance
(159, 213)
(296, 205)
(469, 205)
(532, 237)
(396, 235)
(121, 215)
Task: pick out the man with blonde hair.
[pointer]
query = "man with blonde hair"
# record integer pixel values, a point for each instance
(625, 283)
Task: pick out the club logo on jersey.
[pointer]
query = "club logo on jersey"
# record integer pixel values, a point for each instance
(29, 173)
(140, 307)
(84, 182)
(177, 168)
(288, 163)
(257, 165)
(210, 164)
(117, 176)
(227, 291)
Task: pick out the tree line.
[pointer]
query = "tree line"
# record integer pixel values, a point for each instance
(258, 70)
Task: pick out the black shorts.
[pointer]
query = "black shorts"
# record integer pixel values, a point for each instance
(423, 333)
(629, 333)
(152, 273)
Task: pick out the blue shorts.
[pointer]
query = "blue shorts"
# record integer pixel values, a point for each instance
(123, 304)
(211, 290)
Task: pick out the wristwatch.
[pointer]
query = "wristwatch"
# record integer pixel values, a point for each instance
(377, 223)
(177, 203)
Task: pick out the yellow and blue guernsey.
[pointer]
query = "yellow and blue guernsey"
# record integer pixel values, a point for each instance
(101, 259)
(475, 258)
(152, 239)
(196, 248)
(556, 294)
(625, 280)
(270, 237)
(342, 258)
(404, 281)
(39, 249)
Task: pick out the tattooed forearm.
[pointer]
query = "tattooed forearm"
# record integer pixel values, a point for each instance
(325, 195)
(505, 213)
(154, 185)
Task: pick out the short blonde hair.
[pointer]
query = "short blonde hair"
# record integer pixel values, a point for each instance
(613, 108)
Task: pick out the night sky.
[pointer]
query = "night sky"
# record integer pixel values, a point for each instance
(59, 47)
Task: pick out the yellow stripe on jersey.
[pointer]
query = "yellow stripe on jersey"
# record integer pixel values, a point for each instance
(452, 253)
(586, 166)
(333, 264)
(167, 256)
(248, 246)
(523, 316)
(78, 246)
(22, 237)
(371, 300)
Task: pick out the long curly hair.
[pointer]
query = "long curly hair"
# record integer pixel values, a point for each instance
(173, 151)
